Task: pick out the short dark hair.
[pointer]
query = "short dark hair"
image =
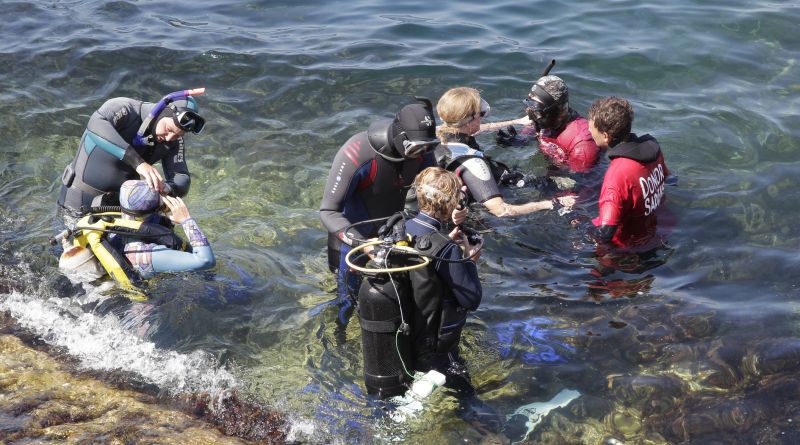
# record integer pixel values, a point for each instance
(612, 115)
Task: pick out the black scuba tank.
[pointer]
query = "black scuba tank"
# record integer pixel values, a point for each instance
(385, 351)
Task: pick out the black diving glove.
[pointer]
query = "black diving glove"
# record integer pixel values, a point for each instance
(510, 138)
(515, 178)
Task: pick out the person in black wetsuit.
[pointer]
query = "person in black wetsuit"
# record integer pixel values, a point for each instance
(122, 141)
(444, 292)
(369, 179)
(461, 110)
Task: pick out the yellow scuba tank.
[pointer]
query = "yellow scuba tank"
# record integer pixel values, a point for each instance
(90, 233)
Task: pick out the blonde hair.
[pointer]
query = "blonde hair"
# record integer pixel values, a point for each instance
(456, 105)
(438, 192)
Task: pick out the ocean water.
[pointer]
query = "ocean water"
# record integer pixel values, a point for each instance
(698, 343)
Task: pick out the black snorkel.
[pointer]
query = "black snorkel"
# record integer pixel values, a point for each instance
(548, 68)
(140, 139)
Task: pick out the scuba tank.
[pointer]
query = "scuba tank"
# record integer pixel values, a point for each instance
(89, 240)
(387, 352)
(394, 316)
(90, 254)
(384, 303)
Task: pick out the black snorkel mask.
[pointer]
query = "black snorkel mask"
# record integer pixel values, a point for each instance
(188, 121)
(415, 149)
(184, 118)
(542, 108)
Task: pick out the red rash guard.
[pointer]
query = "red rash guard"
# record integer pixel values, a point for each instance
(572, 147)
(633, 189)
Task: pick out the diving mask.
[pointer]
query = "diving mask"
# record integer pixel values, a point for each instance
(413, 149)
(188, 120)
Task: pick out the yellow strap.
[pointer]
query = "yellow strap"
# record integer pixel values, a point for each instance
(91, 236)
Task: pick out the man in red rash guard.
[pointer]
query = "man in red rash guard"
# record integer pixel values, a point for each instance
(633, 186)
(563, 134)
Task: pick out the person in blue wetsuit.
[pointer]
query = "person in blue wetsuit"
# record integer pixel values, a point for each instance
(149, 257)
(369, 179)
(122, 141)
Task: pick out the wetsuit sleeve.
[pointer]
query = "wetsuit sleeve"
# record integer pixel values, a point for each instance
(583, 156)
(605, 234)
(667, 173)
(477, 176)
(103, 128)
(611, 202)
(345, 175)
(201, 257)
(176, 170)
(462, 278)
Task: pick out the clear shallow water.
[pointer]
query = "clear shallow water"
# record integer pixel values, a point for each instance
(715, 82)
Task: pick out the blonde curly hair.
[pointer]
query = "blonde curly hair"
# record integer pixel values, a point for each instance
(457, 107)
(438, 192)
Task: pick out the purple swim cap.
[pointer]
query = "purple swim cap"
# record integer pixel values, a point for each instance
(135, 196)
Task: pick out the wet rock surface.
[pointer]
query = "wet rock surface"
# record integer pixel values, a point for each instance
(42, 402)
(44, 398)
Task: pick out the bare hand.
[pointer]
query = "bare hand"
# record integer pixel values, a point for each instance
(567, 201)
(151, 176)
(472, 250)
(457, 235)
(370, 251)
(178, 212)
(459, 215)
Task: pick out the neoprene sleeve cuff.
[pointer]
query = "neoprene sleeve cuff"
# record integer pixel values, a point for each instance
(606, 233)
(131, 157)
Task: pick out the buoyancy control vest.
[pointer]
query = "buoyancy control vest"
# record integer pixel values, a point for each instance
(405, 315)
(437, 319)
(454, 154)
(92, 232)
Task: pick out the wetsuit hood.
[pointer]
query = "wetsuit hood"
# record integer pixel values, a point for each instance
(639, 148)
(379, 134)
(410, 134)
(548, 103)
(171, 110)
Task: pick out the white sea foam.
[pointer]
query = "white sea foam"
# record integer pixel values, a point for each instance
(102, 343)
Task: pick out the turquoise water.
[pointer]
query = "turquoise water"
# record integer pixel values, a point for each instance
(288, 82)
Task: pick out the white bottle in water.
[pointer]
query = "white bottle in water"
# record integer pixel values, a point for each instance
(430, 381)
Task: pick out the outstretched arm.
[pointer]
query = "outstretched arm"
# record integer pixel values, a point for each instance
(492, 126)
(201, 257)
(498, 207)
